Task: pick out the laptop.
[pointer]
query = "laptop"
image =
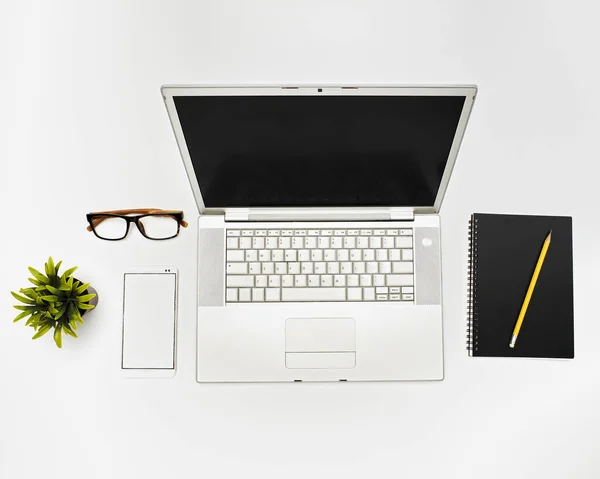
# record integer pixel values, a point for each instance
(319, 236)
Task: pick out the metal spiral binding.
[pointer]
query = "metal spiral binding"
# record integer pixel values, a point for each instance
(472, 306)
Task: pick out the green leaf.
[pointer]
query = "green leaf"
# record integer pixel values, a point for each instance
(67, 329)
(29, 292)
(85, 306)
(49, 266)
(57, 267)
(55, 291)
(81, 289)
(61, 311)
(51, 298)
(58, 336)
(34, 281)
(69, 272)
(64, 286)
(85, 298)
(27, 308)
(22, 315)
(23, 299)
(52, 309)
(39, 276)
(43, 330)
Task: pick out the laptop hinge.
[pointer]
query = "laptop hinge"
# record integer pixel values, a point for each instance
(320, 214)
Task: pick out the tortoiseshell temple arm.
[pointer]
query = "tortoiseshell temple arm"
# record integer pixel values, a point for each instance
(139, 211)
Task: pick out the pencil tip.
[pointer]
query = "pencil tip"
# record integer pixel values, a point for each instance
(549, 237)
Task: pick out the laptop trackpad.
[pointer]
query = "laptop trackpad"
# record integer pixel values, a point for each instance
(320, 343)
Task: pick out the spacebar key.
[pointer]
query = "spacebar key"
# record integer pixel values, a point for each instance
(313, 294)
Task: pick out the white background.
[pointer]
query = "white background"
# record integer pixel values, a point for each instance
(83, 127)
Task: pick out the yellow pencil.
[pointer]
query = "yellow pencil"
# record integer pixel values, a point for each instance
(536, 273)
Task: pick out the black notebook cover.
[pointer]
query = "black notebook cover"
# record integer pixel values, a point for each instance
(504, 250)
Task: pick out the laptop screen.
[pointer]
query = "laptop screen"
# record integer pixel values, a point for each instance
(292, 151)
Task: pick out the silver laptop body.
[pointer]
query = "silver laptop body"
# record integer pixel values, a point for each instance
(319, 236)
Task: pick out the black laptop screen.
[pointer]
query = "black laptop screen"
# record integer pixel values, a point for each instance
(252, 151)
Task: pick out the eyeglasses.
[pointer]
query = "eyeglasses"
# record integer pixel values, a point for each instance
(153, 223)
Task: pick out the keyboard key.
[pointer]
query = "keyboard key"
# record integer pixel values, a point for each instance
(385, 267)
(323, 242)
(402, 267)
(381, 290)
(287, 280)
(316, 255)
(297, 242)
(342, 255)
(260, 281)
(349, 242)
(375, 242)
(326, 232)
(372, 267)
(326, 280)
(339, 280)
(291, 255)
(399, 279)
(236, 255)
(352, 280)
(379, 232)
(366, 232)
(378, 280)
(339, 233)
(408, 290)
(394, 255)
(271, 243)
(237, 268)
(240, 281)
(258, 294)
(313, 294)
(232, 295)
(268, 268)
(294, 268)
(255, 268)
(366, 280)
(388, 242)
(306, 268)
(362, 242)
(313, 233)
(394, 290)
(245, 243)
(352, 233)
(285, 243)
(281, 268)
(407, 297)
(303, 255)
(251, 255)
(320, 268)
(369, 294)
(404, 242)
(381, 254)
(247, 233)
(405, 232)
(333, 268)
(272, 294)
(314, 280)
(354, 294)
(300, 232)
(277, 255)
(346, 268)
(244, 294)
(233, 243)
(329, 255)
(264, 255)
(233, 233)
(392, 232)
(310, 242)
(407, 255)
(287, 232)
(382, 297)
(300, 281)
(274, 232)
(274, 281)
(358, 268)
(260, 233)
(368, 255)
(336, 242)
(355, 255)
(394, 297)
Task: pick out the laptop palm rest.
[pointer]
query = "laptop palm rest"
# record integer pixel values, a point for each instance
(320, 343)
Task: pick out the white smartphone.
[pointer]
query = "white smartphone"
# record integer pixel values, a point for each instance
(149, 338)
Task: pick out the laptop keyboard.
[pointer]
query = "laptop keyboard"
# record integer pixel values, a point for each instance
(309, 265)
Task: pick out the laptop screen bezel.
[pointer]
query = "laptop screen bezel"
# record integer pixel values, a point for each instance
(171, 91)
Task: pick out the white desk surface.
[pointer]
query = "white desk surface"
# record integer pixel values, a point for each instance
(83, 128)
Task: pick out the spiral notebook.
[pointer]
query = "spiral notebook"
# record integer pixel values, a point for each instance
(503, 251)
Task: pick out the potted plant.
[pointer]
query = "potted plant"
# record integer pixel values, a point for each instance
(55, 302)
